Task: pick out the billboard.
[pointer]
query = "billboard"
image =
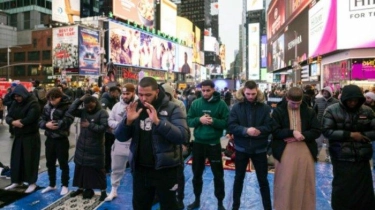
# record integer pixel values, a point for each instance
(254, 5)
(185, 60)
(66, 11)
(215, 8)
(168, 17)
(294, 8)
(211, 44)
(142, 12)
(65, 49)
(128, 46)
(296, 39)
(185, 30)
(263, 52)
(278, 53)
(354, 24)
(89, 47)
(363, 69)
(197, 46)
(275, 17)
(335, 72)
(323, 28)
(253, 52)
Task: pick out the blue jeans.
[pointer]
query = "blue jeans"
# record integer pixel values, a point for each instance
(261, 170)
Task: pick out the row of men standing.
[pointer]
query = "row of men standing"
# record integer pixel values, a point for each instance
(157, 127)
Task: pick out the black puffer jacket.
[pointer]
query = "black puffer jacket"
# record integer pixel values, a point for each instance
(167, 137)
(90, 143)
(28, 111)
(339, 121)
(58, 116)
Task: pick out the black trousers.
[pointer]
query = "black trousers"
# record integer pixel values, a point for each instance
(181, 182)
(213, 153)
(148, 181)
(109, 140)
(57, 149)
(261, 170)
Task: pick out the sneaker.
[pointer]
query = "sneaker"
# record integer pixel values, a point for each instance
(5, 172)
(196, 204)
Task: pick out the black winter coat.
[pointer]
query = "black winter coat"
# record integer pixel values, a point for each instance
(64, 122)
(309, 125)
(90, 144)
(28, 111)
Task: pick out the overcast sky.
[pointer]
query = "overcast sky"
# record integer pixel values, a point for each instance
(230, 17)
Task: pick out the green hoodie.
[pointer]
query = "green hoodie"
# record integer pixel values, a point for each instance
(218, 110)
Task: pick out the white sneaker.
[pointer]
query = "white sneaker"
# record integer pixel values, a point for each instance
(47, 189)
(64, 190)
(111, 195)
(12, 186)
(31, 188)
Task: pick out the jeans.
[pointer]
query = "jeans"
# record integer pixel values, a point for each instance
(261, 170)
(148, 181)
(213, 153)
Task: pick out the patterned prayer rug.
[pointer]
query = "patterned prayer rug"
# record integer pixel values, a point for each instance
(76, 203)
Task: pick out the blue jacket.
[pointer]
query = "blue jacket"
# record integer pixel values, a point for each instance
(244, 115)
(167, 137)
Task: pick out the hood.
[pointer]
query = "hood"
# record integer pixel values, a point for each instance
(351, 92)
(216, 97)
(241, 97)
(107, 96)
(329, 89)
(65, 100)
(21, 91)
(168, 89)
(97, 108)
(370, 95)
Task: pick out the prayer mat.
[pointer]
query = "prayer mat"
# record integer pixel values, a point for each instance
(9, 196)
(76, 203)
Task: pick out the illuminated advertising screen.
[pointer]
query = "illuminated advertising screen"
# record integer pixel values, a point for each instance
(65, 49)
(323, 28)
(141, 12)
(278, 53)
(335, 72)
(128, 46)
(185, 60)
(66, 11)
(363, 69)
(168, 17)
(253, 52)
(294, 8)
(355, 20)
(196, 47)
(222, 56)
(263, 52)
(89, 47)
(215, 8)
(296, 39)
(185, 30)
(214, 69)
(254, 5)
(210, 44)
(275, 17)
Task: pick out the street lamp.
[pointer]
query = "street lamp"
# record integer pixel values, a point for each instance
(8, 56)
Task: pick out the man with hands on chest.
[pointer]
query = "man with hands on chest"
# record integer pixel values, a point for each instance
(157, 128)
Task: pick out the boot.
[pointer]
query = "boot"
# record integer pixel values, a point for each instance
(77, 192)
(88, 194)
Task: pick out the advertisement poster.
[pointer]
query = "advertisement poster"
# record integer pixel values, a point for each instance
(253, 5)
(275, 17)
(197, 46)
(65, 49)
(131, 47)
(296, 39)
(335, 73)
(66, 11)
(354, 24)
(253, 52)
(185, 30)
(185, 60)
(168, 17)
(214, 69)
(294, 8)
(263, 52)
(363, 69)
(141, 12)
(322, 28)
(278, 53)
(89, 47)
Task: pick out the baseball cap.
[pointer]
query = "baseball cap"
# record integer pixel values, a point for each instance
(128, 87)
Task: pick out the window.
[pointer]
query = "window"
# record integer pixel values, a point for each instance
(49, 5)
(35, 43)
(33, 71)
(3, 58)
(3, 72)
(33, 56)
(19, 57)
(26, 18)
(46, 55)
(20, 3)
(19, 71)
(49, 42)
(13, 20)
